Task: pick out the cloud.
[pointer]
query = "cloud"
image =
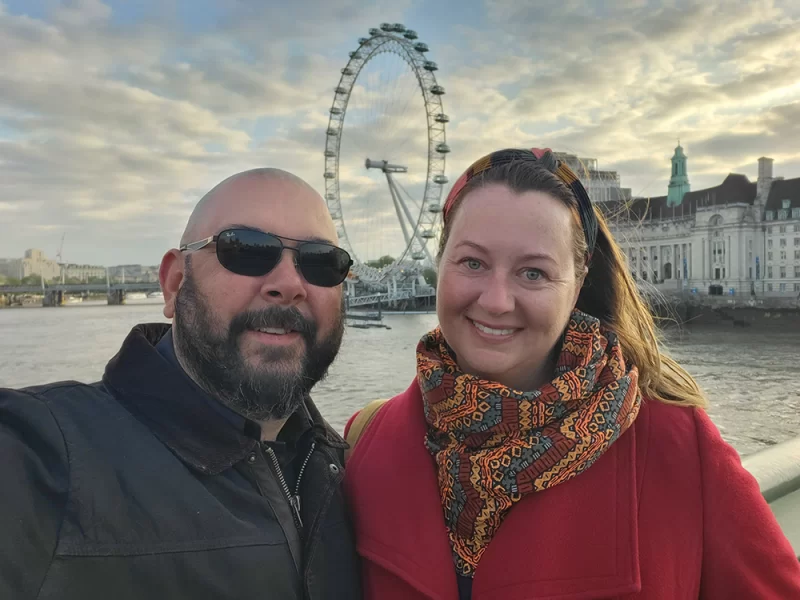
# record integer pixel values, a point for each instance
(112, 126)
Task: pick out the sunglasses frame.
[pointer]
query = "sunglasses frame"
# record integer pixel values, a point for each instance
(200, 244)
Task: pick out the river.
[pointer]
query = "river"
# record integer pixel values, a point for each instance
(752, 378)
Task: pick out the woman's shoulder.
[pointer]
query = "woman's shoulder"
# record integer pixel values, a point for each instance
(685, 432)
(393, 407)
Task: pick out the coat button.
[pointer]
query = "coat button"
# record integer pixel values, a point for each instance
(252, 458)
(334, 468)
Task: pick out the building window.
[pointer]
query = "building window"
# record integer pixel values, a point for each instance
(783, 214)
(769, 255)
(796, 213)
(770, 217)
(783, 243)
(749, 244)
(783, 287)
(797, 241)
(786, 203)
(783, 272)
(769, 244)
(769, 272)
(783, 229)
(797, 270)
(769, 287)
(783, 254)
(797, 287)
(797, 254)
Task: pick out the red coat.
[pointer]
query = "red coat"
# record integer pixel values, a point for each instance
(666, 513)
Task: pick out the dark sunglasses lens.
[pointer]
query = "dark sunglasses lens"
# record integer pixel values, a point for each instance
(245, 252)
(322, 264)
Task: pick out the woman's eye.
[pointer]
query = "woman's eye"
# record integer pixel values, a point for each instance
(473, 264)
(533, 274)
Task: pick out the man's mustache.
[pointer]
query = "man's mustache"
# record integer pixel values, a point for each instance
(290, 319)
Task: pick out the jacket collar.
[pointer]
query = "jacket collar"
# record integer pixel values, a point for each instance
(163, 398)
(544, 545)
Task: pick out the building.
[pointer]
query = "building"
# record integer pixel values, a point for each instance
(602, 186)
(134, 273)
(83, 273)
(739, 238)
(34, 263)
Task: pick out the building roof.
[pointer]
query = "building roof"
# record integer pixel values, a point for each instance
(784, 189)
(735, 189)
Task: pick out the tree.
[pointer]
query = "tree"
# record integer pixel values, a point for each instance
(381, 262)
(430, 276)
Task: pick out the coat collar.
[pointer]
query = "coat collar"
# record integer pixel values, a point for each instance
(166, 401)
(576, 540)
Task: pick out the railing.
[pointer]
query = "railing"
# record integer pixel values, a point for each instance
(391, 296)
(79, 287)
(777, 470)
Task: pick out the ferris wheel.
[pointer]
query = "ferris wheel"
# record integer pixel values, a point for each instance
(385, 153)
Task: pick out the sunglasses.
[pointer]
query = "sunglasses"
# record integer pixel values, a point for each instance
(254, 253)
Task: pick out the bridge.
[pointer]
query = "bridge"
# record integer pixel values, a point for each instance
(55, 294)
(393, 294)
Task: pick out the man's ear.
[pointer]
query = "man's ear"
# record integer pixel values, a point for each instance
(170, 276)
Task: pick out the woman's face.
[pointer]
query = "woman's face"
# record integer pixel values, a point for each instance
(507, 284)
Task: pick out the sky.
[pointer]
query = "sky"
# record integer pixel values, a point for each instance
(117, 116)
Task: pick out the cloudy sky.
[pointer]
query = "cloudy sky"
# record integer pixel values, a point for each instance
(117, 115)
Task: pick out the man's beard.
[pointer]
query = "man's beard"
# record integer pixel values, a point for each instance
(213, 357)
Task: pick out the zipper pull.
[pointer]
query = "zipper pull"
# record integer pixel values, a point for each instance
(295, 503)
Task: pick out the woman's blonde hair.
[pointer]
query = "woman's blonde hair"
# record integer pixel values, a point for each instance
(609, 292)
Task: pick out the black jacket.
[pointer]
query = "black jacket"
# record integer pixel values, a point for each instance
(132, 489)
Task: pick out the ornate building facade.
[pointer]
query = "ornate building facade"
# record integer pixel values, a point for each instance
(739, 238)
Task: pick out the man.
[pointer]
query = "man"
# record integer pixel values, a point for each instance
(198, 467)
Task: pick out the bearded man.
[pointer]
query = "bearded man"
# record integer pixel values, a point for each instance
(198, 467)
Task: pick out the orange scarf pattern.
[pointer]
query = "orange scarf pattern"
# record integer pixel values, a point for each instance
(493, 445)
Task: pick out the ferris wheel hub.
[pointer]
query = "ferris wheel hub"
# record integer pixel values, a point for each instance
(385, 166)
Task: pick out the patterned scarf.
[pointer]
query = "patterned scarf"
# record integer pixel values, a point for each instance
(493, 445)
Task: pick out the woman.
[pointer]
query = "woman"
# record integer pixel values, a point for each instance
(546, 448)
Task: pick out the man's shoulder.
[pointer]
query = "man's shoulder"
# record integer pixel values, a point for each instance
(56, 392)
(55, 403)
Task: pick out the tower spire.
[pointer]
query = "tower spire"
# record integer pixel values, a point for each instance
(679, 179)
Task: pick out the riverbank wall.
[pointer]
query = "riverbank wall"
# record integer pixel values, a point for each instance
(720, 312)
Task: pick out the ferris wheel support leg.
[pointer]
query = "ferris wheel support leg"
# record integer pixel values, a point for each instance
(416, 233)
(398, 206)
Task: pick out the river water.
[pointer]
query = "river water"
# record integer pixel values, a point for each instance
(752, 378)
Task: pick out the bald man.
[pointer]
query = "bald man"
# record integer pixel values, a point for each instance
(198, 467)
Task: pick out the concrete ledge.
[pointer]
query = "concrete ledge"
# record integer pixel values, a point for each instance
(777, 470)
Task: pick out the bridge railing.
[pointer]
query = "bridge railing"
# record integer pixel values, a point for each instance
(777, 470)
(79, 287)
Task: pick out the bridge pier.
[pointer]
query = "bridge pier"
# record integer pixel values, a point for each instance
(53, 298)
(116, 297)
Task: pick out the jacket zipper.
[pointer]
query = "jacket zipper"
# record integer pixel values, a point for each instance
(293, 499)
